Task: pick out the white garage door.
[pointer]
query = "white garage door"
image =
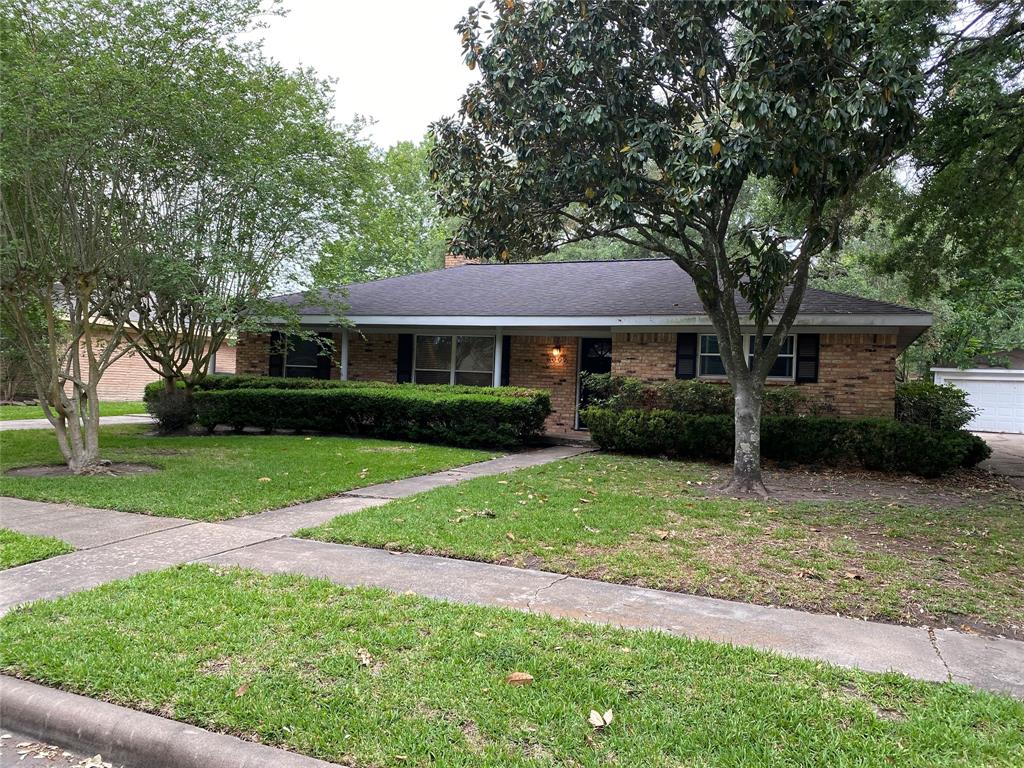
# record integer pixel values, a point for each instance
(999, 397)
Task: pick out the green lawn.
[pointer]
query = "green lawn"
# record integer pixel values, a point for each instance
(218, 477)
(109, 408)
(369, 678)
(643, 521)
(20, 548)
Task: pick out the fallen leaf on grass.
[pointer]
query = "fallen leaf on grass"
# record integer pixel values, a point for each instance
(598, 720)
(240, 691)
(519, 678)
(263, 480)
(853, 575)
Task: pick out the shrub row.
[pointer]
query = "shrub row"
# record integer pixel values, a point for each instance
(220, 382)
(430, 415)
(881, 444)
(691, 396)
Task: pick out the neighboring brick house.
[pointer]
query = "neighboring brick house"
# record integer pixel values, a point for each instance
(539, 325)
(126, 378)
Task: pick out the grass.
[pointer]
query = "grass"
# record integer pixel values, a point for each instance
(219, 477)
(644, 522)
(367, 678)
(107, 408)
(20, 548)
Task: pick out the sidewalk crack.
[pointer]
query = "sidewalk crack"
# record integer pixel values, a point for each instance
(935, 647)
(544, 588)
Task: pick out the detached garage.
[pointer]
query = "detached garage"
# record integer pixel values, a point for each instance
(997, 393)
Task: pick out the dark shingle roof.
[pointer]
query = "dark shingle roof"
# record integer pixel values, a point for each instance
(561, 289)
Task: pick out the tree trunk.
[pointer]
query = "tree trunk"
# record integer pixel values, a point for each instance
(746, 474)
(78, 431)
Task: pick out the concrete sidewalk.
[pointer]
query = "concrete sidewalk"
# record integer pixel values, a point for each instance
(140, 418)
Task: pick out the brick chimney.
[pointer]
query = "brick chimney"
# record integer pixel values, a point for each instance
(454, 260)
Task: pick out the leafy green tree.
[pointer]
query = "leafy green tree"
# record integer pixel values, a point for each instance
(159, 178)
(648, 122)
(254, 170)
(959, 221)
(77, 154)
(392, 226)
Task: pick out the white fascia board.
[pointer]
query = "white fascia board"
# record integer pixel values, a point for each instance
(978, 374)
(665, 322)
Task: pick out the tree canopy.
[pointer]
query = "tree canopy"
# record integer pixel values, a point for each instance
(392, 225)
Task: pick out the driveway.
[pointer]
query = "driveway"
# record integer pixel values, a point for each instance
(1007, 456)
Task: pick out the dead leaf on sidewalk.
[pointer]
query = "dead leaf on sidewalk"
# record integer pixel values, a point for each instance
(519, 678)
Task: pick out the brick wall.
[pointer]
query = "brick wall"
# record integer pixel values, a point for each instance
(533, 365)
(857, 374)
(650, 356)
(252, 354)
(126, 378)
(373, 357)
(856, 371)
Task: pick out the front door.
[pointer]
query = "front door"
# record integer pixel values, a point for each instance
(595, 357)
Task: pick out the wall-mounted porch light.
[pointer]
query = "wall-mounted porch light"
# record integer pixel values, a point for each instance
(556, 351)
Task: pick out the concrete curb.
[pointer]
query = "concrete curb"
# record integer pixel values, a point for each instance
(126, 736)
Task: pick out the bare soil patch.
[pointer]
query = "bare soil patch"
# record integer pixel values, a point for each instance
(113, 469)
(959, 489)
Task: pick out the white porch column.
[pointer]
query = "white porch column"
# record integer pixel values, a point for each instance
(498, 337)
(344, 354)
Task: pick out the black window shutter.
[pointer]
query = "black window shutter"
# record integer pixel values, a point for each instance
(276, 359)
(506, 352)
(807, 358)
(404, 358)
(323, 360)
(686, 355)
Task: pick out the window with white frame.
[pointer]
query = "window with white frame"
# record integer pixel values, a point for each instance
(784, 364)
(454, 360)
(710, 357)
(710, 364)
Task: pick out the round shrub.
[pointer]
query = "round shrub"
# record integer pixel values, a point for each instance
(938, 406)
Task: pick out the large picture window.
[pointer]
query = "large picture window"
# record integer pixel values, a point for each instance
(454, 360)
(711, 365)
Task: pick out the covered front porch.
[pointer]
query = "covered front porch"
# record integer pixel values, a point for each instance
(541, 358)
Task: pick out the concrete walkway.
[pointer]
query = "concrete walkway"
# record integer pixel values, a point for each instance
(139, 418)
(1007, 457)
(115, 545)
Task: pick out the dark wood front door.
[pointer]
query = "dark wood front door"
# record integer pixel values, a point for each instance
(595, 357)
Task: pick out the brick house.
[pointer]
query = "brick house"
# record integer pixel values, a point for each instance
(541, 324)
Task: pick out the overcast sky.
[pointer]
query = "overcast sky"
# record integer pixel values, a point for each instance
(396, 61)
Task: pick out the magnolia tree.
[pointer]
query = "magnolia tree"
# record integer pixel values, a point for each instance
(649, 122)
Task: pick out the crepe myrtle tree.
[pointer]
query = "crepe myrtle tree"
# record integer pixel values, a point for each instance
(649, 122)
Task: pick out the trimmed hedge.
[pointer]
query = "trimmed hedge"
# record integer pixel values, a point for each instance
(881, 444)
(691, 396)
(220, 382)
(473, 418)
